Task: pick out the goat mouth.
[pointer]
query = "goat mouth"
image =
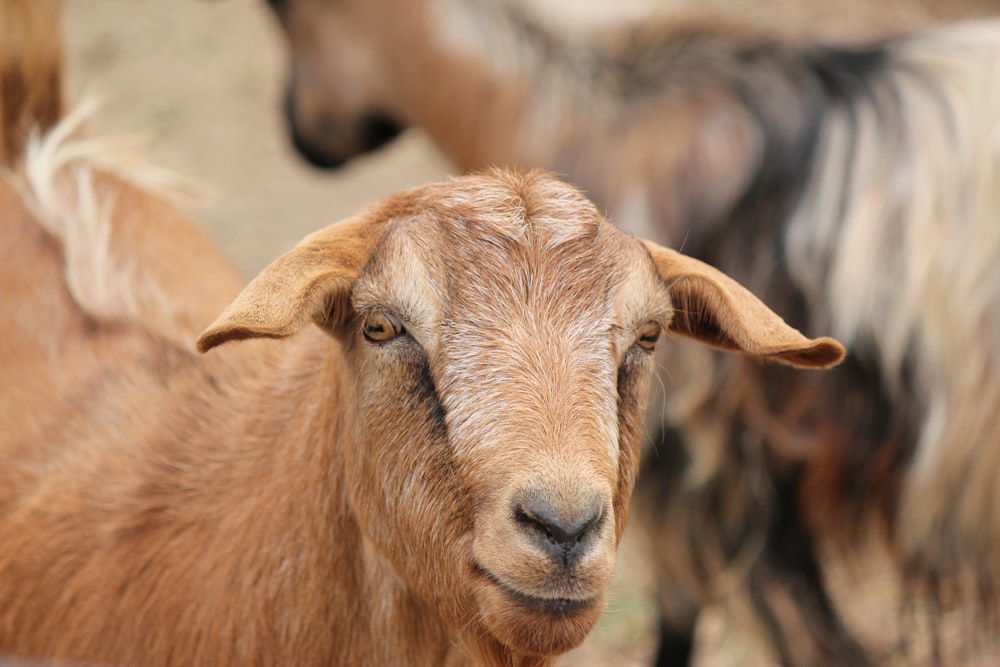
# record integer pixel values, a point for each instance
(554, 606)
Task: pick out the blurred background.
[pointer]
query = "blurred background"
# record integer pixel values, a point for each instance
(204, 79)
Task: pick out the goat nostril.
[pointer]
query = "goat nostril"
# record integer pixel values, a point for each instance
(559, 535)
(377, 130)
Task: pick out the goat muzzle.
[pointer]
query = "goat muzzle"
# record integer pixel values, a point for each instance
(544, 557)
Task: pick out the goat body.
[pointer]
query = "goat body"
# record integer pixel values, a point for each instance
(855, 187)
(437, 473)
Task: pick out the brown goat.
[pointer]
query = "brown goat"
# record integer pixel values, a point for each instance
(855, 186)
(437, 474)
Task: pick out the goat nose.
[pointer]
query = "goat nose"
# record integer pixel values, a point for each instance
(563, 535)
(307, 150)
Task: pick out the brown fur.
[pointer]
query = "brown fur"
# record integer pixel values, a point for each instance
(31, 66)
(307, 496)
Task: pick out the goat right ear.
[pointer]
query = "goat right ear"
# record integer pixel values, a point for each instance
(312, 281)
(711, 307)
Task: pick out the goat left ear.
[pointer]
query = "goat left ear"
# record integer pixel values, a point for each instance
(312, 281)
(711, 307)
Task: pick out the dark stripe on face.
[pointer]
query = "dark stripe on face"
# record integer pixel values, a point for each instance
(426, 398)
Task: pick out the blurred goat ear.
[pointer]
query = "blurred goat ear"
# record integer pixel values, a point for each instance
(311, 282)
(711, 307)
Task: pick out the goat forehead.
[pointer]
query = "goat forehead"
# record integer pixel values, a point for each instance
(530, 338)
(520, 240)
(505, 247)
(580, 291)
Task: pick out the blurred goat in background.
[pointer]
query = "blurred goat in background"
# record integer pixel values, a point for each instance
(854, 187)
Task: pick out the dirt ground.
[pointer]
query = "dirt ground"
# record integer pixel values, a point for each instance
(203, 78)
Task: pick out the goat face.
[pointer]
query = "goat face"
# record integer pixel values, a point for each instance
(336, 102)
(512, 327)
(498, 333)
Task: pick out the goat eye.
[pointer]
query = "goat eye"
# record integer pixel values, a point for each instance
(649, 333)
(380, 327)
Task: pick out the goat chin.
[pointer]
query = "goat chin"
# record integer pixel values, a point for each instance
(534, 626)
